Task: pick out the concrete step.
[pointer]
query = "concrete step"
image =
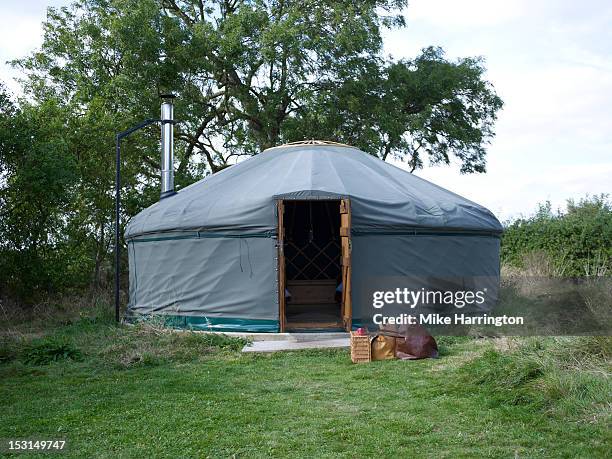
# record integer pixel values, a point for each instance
(298, 337)
(293, 345)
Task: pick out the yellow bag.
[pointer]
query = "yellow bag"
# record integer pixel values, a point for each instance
(383, 348)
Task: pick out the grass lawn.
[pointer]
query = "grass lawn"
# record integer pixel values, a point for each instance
(139, 392)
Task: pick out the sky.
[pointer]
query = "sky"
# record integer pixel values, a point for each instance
(549, 60)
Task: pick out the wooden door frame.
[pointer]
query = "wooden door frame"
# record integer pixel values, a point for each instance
(346, 248)
(346, 254)
(282, 278)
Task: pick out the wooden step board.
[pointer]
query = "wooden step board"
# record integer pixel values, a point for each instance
(313, 325)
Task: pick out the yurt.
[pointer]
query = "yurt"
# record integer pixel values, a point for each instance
(296, 237)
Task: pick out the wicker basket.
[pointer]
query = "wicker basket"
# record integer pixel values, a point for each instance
(361, 351)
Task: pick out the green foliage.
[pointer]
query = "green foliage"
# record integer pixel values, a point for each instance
(577, 242)
(248, 75)
(251, 75)
(38, 185)
(47, 350)
(428, 107)
(8, 351)
(482, 398)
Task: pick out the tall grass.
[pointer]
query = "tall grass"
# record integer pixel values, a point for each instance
(86, 331)
(567, 376)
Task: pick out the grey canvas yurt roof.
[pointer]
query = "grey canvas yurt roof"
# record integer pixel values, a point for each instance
(212, 256)
(383, 197)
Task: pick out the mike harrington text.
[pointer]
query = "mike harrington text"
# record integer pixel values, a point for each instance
(456, 319)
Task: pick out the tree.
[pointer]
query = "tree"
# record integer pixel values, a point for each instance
(253, 74)
(38, 175)
(249, 74)
(409, 110)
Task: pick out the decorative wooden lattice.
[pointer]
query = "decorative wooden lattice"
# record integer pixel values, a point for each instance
(314, 142)
(311, 261)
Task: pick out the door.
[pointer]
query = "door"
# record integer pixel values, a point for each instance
(346, 309)
(345, 239)
(281, 265)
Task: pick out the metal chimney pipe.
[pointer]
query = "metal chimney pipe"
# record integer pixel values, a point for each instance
(167, 147)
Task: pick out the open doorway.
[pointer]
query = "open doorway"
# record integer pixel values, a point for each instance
(311, 265)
